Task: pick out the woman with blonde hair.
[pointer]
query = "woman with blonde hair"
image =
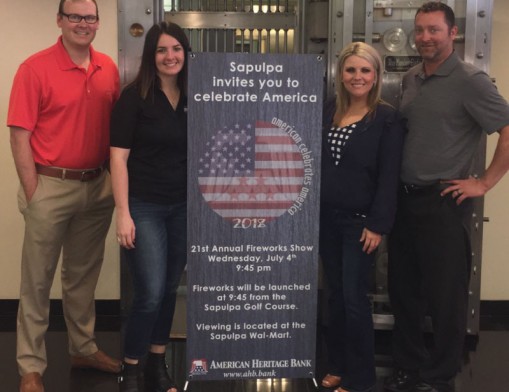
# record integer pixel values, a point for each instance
(361, 154)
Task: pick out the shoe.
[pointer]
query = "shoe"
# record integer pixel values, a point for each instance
(156, 374)
(99, 361)
(401, 381)
(31, 382)
(330, 381)
(341, 389)
(129, 380)
(424, 387)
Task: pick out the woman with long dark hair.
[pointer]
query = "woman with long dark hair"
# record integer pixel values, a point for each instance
(361, 154)
(149, 173)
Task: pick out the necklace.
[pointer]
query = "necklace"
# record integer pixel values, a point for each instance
(351, 116)
(174, 99)
(173, 95)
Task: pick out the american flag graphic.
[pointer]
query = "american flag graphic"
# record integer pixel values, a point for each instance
(251, 171)
(199, 366)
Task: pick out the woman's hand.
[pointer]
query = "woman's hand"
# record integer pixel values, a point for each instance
(125, 230)
(371, 240)
(120, 184)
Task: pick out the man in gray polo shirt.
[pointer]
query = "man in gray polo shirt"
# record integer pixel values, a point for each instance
(448, 104)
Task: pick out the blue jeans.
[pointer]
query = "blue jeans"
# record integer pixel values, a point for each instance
(350, 340)
(156, 264)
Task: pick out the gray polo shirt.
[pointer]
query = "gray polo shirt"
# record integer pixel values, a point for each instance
(447, 113)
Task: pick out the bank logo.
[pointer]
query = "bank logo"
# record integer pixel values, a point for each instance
(198, 367)
(251, 171)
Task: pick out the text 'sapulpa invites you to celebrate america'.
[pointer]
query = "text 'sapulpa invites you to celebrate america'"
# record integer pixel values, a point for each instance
(254, 135)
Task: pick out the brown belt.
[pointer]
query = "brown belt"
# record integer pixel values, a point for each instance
(70, 174)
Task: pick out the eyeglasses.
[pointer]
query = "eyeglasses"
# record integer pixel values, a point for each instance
(75, 18)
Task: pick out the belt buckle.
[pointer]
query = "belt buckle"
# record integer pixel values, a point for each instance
(84, 173)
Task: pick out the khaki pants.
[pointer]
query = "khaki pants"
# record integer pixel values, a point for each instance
(72, 217)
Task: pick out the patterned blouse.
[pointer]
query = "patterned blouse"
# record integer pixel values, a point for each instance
(338, 138)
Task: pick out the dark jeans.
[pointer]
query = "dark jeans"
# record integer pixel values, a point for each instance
(350, 340)
(429, 267)
(156, 266)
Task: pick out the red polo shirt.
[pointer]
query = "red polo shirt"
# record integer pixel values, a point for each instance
(67, 108)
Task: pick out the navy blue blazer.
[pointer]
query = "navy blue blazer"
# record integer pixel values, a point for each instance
(366, 179)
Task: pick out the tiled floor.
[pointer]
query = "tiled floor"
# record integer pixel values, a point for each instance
(485, 368)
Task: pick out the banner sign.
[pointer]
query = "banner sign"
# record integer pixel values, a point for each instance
(254, 126)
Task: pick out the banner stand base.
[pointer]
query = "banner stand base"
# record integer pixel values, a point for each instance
(186, 385)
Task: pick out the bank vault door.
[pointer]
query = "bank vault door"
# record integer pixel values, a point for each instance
(251, 26)
(388, 26)
(321, 27)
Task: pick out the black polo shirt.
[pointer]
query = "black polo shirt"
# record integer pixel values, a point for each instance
(157, 137)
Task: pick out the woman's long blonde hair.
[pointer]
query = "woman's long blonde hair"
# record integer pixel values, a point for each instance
(369, 54)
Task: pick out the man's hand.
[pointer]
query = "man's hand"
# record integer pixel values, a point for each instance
(464, 189)
(24, 160)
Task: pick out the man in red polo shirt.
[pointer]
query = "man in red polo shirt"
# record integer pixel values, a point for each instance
(59, 116)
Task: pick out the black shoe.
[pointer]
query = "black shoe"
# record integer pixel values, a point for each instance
(157, 378)
(435, 385)
(129, 379)
(424, 387)
(401, 381)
